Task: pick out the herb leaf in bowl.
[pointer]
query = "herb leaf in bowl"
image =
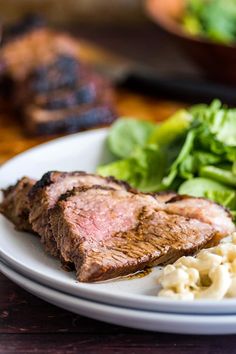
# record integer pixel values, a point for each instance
(213, 19)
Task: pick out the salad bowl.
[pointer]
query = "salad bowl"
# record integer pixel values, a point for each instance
(216, 60)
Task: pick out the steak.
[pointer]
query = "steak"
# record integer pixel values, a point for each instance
(43, 122)
(53, 91)
(45, 194)
(108, 233)
(35, 48)
(15, 204)
(204, 210)
(66, 98)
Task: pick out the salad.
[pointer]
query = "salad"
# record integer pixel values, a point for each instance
(193, 152)
(213, 19)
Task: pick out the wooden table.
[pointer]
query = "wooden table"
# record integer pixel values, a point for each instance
(30, 325)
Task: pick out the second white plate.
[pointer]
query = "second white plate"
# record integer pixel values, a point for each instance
(152, 321)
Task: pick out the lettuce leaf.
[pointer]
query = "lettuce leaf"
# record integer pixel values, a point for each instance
(219, 174)
(168, 131)
(208, 188)
(144, 169)
(126, 134)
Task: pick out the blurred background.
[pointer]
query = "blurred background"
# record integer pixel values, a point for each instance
(121, 26)
(77, 11)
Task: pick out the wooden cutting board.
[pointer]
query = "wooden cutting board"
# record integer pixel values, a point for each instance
(14, 140)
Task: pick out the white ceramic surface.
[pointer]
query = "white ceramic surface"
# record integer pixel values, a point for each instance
(23, 252)
(147, 320)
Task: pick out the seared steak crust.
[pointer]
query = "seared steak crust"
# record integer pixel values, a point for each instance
(15, 204)
(107, 233)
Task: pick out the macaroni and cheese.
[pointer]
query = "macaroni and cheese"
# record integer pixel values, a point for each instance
(209, 275)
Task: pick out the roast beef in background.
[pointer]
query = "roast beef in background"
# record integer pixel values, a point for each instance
(50, 89)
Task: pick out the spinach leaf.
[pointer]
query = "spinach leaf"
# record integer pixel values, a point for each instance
(143, 169)
(169, 130)
(126, 134)
(208, 188)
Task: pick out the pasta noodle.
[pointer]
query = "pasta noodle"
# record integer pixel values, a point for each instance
(209, 275)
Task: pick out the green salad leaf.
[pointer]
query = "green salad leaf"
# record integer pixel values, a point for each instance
(213, 19)
(208, 188)
(143, 169)
(218, 174)
(172, 128)
(194, 151)
(182, 157)
(127, 133)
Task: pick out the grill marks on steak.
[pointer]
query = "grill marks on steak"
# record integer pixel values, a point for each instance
(108, 233)
(45, 194)
(15, 205)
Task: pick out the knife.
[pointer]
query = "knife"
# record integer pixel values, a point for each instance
(148, 81)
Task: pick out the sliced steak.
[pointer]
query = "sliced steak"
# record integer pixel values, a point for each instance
(204, 210)
(108, 233)
(46, 192)
(15, 204)
(44, 122)
(53, 91)
(40, 46)
(90, 89)
(64, 72)
(67, 98)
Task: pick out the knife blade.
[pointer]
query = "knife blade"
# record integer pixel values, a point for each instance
(142, 79)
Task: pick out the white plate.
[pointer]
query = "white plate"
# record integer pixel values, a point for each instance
(147, 320)
(83, 151)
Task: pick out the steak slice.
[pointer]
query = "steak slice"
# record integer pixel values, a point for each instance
(41, 121)
(204, 210)
(46, 192)
(90, 88)
(37, 47)
(15, 204)
(108, 233)
(66, 98)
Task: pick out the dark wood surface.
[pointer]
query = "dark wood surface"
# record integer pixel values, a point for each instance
(30, 325)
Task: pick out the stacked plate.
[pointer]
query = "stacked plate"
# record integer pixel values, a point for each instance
(129, 301)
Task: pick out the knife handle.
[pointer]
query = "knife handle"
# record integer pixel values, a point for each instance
(187, 90)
